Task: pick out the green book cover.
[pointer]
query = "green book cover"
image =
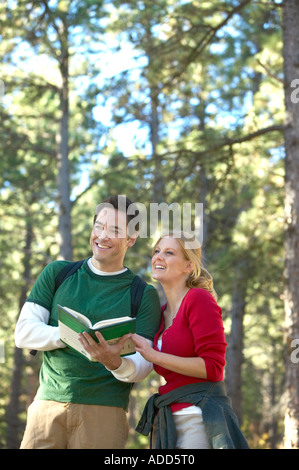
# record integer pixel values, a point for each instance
(71, 323)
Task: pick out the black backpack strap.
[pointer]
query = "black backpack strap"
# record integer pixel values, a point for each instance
(66, 272)
(137, 288)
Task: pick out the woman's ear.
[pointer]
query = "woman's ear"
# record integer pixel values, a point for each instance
(189, 267)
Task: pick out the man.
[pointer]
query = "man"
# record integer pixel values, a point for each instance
(83, 404)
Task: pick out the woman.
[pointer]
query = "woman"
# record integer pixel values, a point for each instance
(189, 352)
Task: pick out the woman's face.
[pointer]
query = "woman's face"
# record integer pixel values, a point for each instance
(168, 262)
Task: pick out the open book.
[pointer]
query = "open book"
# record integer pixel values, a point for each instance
(71, 323)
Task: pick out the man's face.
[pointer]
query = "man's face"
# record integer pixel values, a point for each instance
(109, 240)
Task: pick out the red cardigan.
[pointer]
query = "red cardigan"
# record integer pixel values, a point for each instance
(196, 331)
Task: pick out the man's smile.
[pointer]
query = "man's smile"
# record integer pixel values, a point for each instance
(103, 247)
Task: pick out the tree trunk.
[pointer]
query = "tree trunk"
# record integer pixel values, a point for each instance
(291, 297)
(204, 188)
(234, 354)
(63, 178)
(158, 183)
(12, 410)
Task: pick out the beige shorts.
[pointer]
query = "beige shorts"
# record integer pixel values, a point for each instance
(55, 425)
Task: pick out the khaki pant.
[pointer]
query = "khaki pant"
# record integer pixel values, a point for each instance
(55, 425)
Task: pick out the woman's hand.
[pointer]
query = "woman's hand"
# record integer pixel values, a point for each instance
(143, 347)
(190, 366)
(106, 354)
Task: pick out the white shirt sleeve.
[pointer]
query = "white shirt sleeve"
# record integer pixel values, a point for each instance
(33, 332)
(133, 368)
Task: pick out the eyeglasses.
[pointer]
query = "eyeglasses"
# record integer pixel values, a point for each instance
(110, 232)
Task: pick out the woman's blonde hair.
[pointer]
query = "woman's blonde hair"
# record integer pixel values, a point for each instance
(199, 276)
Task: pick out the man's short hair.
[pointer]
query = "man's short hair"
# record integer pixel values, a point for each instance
(120, 203)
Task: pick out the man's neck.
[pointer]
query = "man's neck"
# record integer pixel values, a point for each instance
(98, 268)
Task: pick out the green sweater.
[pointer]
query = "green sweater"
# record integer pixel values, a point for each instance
(65, 375)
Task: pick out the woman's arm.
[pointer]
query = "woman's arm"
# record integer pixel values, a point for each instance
(191, 366)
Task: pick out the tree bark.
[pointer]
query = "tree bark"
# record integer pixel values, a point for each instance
(12, 410)
(63, 178)
(291, 297)
(158, 183)
(234, 356)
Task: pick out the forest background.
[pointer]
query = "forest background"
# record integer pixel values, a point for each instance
(166, 101)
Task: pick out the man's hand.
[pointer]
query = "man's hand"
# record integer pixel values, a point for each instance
(106, 354)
